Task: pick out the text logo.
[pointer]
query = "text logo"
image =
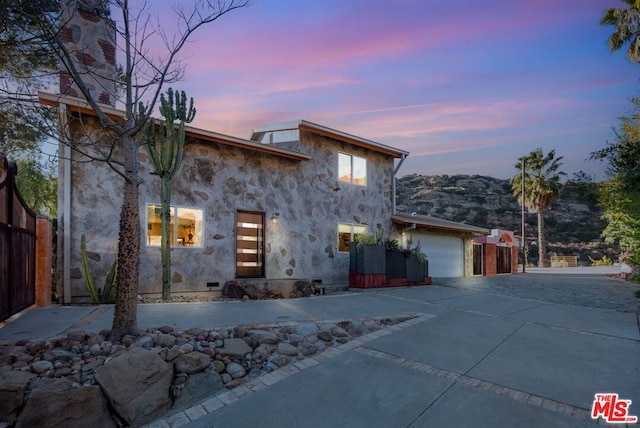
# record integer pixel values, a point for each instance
(612, 409)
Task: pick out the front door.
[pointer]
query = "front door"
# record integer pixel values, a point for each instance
(249, 244)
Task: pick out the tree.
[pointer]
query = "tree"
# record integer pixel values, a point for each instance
(626, 21)
(165, 146)
(141, 79)
(620, 194)
(542, 189)
(27, 64)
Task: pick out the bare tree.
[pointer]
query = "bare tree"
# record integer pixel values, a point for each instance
(139, 79)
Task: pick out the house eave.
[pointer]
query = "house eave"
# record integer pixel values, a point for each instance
(314, 128)
(437, 223)
(80, 105)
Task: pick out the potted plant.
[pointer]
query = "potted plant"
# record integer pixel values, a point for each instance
(417, 266)
(395, 263)
(370, 254)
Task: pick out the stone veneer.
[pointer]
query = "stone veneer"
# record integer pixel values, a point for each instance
(220, 179)
(90, 39)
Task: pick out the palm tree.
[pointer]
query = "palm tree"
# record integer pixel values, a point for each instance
(627, 23)
(542, 189)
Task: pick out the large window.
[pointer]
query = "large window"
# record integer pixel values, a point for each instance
(347, 233)
(185, 226)
(352, 169)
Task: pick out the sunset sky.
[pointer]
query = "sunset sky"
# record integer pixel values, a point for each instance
(465, 86)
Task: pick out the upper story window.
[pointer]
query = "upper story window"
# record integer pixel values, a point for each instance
(185, 226)
(352, 169)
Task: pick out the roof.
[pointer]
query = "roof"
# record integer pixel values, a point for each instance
(437, 223)
(82, 106)
(304, 125)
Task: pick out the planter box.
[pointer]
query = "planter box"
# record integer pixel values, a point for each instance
(353, 256)
(370, 260)
(415, 270)
(396, 265)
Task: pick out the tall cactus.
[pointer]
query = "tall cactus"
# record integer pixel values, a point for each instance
(165, 145)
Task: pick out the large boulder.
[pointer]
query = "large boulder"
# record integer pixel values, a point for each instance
(233, 290)
(54, 403)
(137, 385)
(198, 387)
(13, 384)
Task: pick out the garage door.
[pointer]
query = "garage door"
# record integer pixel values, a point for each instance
(445, 254)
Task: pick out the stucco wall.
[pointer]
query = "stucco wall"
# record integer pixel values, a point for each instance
(301, 243)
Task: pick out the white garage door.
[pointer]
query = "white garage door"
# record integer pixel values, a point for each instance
(445, 254)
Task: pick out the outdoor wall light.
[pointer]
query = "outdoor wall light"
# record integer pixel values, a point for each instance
(274, 217)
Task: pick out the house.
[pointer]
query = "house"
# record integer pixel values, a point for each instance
(282, 205)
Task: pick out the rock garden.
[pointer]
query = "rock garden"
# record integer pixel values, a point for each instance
(80, 380)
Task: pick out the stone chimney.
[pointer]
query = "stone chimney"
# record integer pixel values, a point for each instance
(90, 36)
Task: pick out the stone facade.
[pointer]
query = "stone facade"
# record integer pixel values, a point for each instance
(89, 37)
(302, 202)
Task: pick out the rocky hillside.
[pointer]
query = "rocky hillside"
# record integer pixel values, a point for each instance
(573, 224)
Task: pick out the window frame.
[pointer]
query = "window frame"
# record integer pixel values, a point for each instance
(352, 179)
(176, 225)
(352, 234)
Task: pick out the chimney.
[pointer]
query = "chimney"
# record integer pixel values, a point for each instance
(90, 36)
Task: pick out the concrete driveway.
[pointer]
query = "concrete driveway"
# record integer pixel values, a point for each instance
(475, 357)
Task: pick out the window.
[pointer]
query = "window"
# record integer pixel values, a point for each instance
(347, 233)
(352, 169)
(249, 244)
(185, 226)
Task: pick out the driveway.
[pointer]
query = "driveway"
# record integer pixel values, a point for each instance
(526, 350)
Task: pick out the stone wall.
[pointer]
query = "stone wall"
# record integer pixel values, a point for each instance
(300, 244)
(89, 37)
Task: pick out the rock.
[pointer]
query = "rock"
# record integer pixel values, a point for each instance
(198, 387)
(193, 362)
(54, 403)
(96, 339)
(186, 348)
(280, 360)
(58, 354)
(95, 349)
(14, 351)
(195, 331)
(325, 336)
(304, 288)
(306, 329)
(264, 351)
(235, 370)
(234, 348)
(144, 342)
(219, 366)
(137, 384)
(41, 367)
(166, 340)
(263, 336)
(338, 332)
(233, 290)
(170, 354)
(287, 349)
(13, 384)
(226, 378)
(166, 329)
(296, 338)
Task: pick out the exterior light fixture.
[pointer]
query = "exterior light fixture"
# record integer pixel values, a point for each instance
(274, 217)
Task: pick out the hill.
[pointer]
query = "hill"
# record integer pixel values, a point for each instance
(573, 224)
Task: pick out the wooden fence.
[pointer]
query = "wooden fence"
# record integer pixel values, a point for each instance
(17, 246)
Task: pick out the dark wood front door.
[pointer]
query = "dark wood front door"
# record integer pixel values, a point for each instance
(249, 244)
